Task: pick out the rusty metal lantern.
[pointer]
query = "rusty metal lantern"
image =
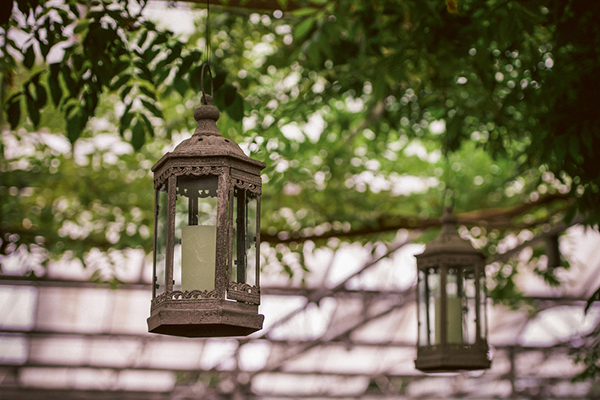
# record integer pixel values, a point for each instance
(451, 304)
(206, 235)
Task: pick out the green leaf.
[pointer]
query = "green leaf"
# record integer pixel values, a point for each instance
(81, 26)
(138, 135)
(74, 127)
(152, 108)
(149, 125)
(574, 148)
(229, 92)
(122, 80)
(147, 92)
(29, 57)
(42, 96)
(181, 85)
(71, 84)
(437, 112)
(174, 54)
(162, 76)
(44, 48)
(595, 297)
(313, 54)
(149, 55)
(236, 109)
(54, 84)
(125, 91)
(125, 119)
(304, 11)
(14, 112)
(145, 72)
(186, 64)
(161, 38)
(32, 109)
(325, 47)
(142, 39)
(303, 28)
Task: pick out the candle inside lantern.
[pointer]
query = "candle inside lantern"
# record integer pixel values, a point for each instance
(198, 257)
(453, 320)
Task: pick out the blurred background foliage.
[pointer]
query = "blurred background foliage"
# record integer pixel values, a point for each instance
(365, 112)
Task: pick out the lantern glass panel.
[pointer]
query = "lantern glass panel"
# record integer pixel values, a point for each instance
(245, 206)
(454, 298)
(160, 239)
(432, 294)
(483, 307)
(469, 306)
(195, 233)
(422, 309)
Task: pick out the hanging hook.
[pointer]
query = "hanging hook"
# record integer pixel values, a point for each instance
(448, 192)
(206, 101)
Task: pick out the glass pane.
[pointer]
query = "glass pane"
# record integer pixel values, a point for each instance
(422, 305)
(483, 305)
(160, 239)
(195, 233)
(432, 294)
(244, 237)
(469, 306)
(453, 307)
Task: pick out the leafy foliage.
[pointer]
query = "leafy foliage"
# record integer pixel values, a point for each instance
(364, 112)
(105, 47)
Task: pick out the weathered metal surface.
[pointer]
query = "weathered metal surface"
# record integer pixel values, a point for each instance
(244, 292)
(204, 318)
(208, 142)
(231, 309)
(450, 244)
(452, 357)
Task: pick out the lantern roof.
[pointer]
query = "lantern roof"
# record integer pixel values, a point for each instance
(449, 241)
(207, 140)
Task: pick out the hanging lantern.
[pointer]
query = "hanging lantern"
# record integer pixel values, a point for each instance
(206, 235)
(451, 304)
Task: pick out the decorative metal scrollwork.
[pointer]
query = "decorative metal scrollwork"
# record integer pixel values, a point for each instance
(187, 170)
(187, 295)
(244, 292)
(251, 187)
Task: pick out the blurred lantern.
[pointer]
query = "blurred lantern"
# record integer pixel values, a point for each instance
(451, 303)
(206, 235)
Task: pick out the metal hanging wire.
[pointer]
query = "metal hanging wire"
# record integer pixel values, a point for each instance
(208, 56)
(204, 99)
(448, 190)
(448, 194)
(207, 61)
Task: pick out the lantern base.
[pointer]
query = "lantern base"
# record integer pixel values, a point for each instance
(452, 358)
(204, 318)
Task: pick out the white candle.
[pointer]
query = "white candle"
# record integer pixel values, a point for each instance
(453, 320)
(198, 254)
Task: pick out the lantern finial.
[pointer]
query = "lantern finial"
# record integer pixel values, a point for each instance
(207, 116)
(448, 221)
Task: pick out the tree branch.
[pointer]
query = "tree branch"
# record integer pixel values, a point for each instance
(490, 218)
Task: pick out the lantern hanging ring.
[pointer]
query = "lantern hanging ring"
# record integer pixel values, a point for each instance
(204, 100)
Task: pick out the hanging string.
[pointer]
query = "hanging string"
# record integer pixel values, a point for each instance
(448, 194)
(208, 31)
(446, 173)
(205, 100)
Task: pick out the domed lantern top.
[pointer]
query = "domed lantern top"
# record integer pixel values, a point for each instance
(206, 236)
(451, 303)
